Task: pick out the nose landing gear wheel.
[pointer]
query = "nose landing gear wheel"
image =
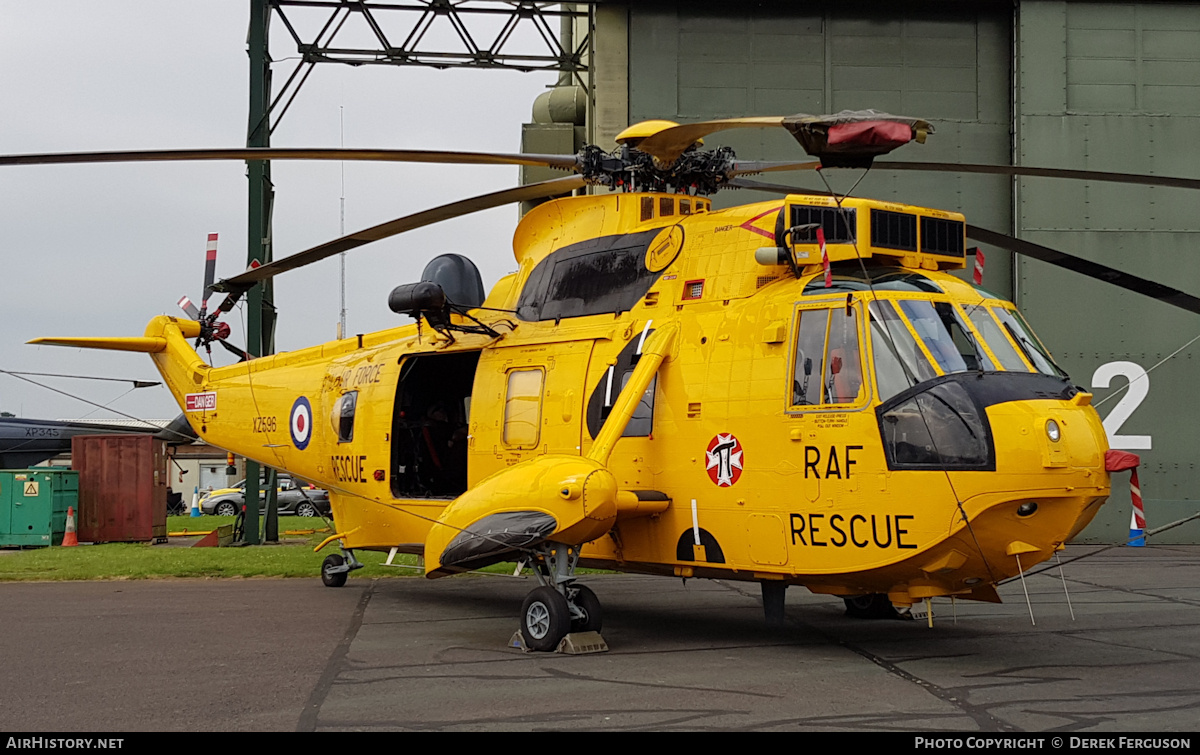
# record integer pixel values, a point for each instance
(545, 619)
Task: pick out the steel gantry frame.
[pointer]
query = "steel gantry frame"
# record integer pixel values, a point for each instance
(406, 21)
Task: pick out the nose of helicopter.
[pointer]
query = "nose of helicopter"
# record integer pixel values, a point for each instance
(1048, 482)
(1051, 477)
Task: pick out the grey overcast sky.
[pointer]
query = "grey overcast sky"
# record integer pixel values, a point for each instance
(100, 249)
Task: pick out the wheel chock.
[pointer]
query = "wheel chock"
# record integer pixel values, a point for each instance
(576, 643)
(582, 643)
(518, 642)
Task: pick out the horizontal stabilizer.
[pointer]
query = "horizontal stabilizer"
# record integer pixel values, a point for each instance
(144, 344)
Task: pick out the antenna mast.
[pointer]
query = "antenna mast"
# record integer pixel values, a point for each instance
(342, 225)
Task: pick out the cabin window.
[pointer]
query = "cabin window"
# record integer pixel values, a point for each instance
(609, 384)
(343, 416)
(605, 275)
(523, 408)
(641, 424)
(827, 368)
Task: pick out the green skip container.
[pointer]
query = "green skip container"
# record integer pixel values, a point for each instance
(33, 505)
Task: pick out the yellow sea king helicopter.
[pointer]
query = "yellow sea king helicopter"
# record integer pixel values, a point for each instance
(793, 392)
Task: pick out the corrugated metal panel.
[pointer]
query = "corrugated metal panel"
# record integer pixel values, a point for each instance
(948, 65)
(122, 487)
(1127, 101)
(1133, 58)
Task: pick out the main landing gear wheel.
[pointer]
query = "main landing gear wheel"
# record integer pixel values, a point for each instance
(545, 618)
(589, 605)
(874, 606)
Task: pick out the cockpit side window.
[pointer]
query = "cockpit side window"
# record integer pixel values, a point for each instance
(843, 376)
(810, 347)
(828, 365)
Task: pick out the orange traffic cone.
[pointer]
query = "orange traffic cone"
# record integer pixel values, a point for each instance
(70, 538)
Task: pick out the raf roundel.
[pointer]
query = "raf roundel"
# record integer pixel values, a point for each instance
(301, 423)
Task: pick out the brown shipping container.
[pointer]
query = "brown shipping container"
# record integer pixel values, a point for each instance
(122, 487)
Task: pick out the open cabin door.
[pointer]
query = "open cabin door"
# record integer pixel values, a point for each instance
(430, 421)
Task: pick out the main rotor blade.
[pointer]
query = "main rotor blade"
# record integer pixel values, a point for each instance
(1021, 170)
(1095, 270)
(743, 183)
(747, 167)
(667, 145)
(566, 162)
(1055, 257)
(241, 283)
(861, 133)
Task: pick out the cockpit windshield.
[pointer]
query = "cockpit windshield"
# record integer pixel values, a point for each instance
(1027, 342)
(951, 342)
(899, 362)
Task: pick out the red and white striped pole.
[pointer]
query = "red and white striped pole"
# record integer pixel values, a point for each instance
(979, 260)
(1119, 461)
(824, 257)
(1137, 519)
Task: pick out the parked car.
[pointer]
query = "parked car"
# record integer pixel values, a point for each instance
(296, 498)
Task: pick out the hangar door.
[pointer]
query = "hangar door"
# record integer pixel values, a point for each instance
(1116, 87)
(944, 63)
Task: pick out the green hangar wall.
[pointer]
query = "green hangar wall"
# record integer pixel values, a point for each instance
(1098, 86)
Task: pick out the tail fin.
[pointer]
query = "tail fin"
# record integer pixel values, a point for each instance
(165, 340)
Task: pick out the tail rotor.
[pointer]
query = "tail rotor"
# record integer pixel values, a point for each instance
(210, 328)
